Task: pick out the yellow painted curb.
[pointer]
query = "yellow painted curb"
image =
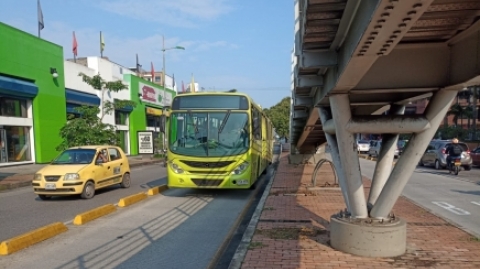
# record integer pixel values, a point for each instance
(157, 190)
(95, 213)
(28, 239)
(129, 200)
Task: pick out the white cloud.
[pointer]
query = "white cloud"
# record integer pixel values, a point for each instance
(180, 13)
(119, 49)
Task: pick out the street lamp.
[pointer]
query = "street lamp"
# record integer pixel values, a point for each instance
(163, 80)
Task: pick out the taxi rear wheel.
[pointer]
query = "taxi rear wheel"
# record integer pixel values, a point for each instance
(88, 191)
(126, 182)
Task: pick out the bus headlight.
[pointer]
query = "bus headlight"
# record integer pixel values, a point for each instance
(176, 168)
(240, 169)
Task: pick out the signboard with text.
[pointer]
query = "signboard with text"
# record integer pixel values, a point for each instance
(145, 142)
(152, 95)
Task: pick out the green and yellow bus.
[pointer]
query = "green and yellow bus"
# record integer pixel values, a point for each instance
(217, 140)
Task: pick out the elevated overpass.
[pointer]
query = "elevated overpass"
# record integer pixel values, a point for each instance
(356, 64)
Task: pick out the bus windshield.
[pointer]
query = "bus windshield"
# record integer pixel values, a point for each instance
(212, 134)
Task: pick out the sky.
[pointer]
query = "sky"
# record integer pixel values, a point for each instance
(229, 44)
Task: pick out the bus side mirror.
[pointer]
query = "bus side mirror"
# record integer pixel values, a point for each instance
(163, 120)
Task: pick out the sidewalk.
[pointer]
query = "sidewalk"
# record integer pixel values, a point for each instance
(293, 229)
(12, 177)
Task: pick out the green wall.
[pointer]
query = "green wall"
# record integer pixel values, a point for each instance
(137, 119)
(27, 57)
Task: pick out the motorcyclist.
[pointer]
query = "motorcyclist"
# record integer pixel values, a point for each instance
(454, 150)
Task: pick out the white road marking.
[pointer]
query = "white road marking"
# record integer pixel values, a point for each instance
(475, 203)
(452, 208)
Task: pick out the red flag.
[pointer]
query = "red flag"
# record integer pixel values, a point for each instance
(183, 87)
(75, 45)
(153, 72)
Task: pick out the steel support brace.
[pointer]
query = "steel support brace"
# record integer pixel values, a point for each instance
(383, 167)
(435, 112)
(324, 114)
(340, 105)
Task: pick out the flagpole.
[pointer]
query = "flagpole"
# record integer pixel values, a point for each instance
(101, 48)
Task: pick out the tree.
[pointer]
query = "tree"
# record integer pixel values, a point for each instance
(89, 129)
(279, 114)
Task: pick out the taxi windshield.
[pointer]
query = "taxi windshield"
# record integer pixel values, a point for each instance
(75, 156)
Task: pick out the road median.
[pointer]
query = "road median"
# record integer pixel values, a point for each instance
(30, 238)
(157, 190)
(95, 213)
(132, 199)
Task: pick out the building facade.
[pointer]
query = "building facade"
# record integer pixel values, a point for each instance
(39, 92)
(32, 93)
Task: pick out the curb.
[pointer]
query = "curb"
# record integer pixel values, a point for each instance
(242, 249)
(132, 199)
(157, 190)
(28, 239)
(95, 213)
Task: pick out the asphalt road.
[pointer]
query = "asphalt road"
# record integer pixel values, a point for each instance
(22, 211)
(455, 198)
(177, 229)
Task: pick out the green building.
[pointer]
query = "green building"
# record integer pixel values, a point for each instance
(32, 93)
(151, 99)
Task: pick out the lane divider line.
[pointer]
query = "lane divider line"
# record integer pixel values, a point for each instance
(28, 239)
(95, 213)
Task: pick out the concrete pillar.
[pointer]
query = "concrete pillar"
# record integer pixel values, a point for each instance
(334, 153)
(383, 167)
(340, 105)
(435, 112)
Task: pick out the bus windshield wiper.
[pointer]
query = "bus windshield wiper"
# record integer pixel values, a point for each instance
(224, 121)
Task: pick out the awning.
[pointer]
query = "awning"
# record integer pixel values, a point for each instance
(124, 109)
(153, 111)
(16, 87)
(81, 98)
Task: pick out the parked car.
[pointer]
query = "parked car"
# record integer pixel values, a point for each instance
(363, 146)
(475, 155)
(83, 170)
(375, 146)
(435, 155)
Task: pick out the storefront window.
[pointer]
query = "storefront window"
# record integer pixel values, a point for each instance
(121, 117)
(10, 107)
(15, 144)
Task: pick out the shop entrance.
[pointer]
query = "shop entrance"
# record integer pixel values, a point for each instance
(3, 146)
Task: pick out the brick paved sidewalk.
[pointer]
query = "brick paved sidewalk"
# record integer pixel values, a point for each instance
(22, 175)
(293, 230)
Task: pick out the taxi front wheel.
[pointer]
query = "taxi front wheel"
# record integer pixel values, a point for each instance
(88, 191)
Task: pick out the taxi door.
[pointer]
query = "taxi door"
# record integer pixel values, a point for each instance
(104, 169)
(117, 166)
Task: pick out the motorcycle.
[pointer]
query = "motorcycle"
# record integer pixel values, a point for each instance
(455, 165)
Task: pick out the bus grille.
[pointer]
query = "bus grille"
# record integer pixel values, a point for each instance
(209, 172)
(207, 164)
(207, 182)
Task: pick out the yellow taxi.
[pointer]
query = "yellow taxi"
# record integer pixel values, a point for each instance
(82, 170)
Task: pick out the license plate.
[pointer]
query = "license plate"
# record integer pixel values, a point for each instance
(50, 186)
(458, 163)
(242, 182)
